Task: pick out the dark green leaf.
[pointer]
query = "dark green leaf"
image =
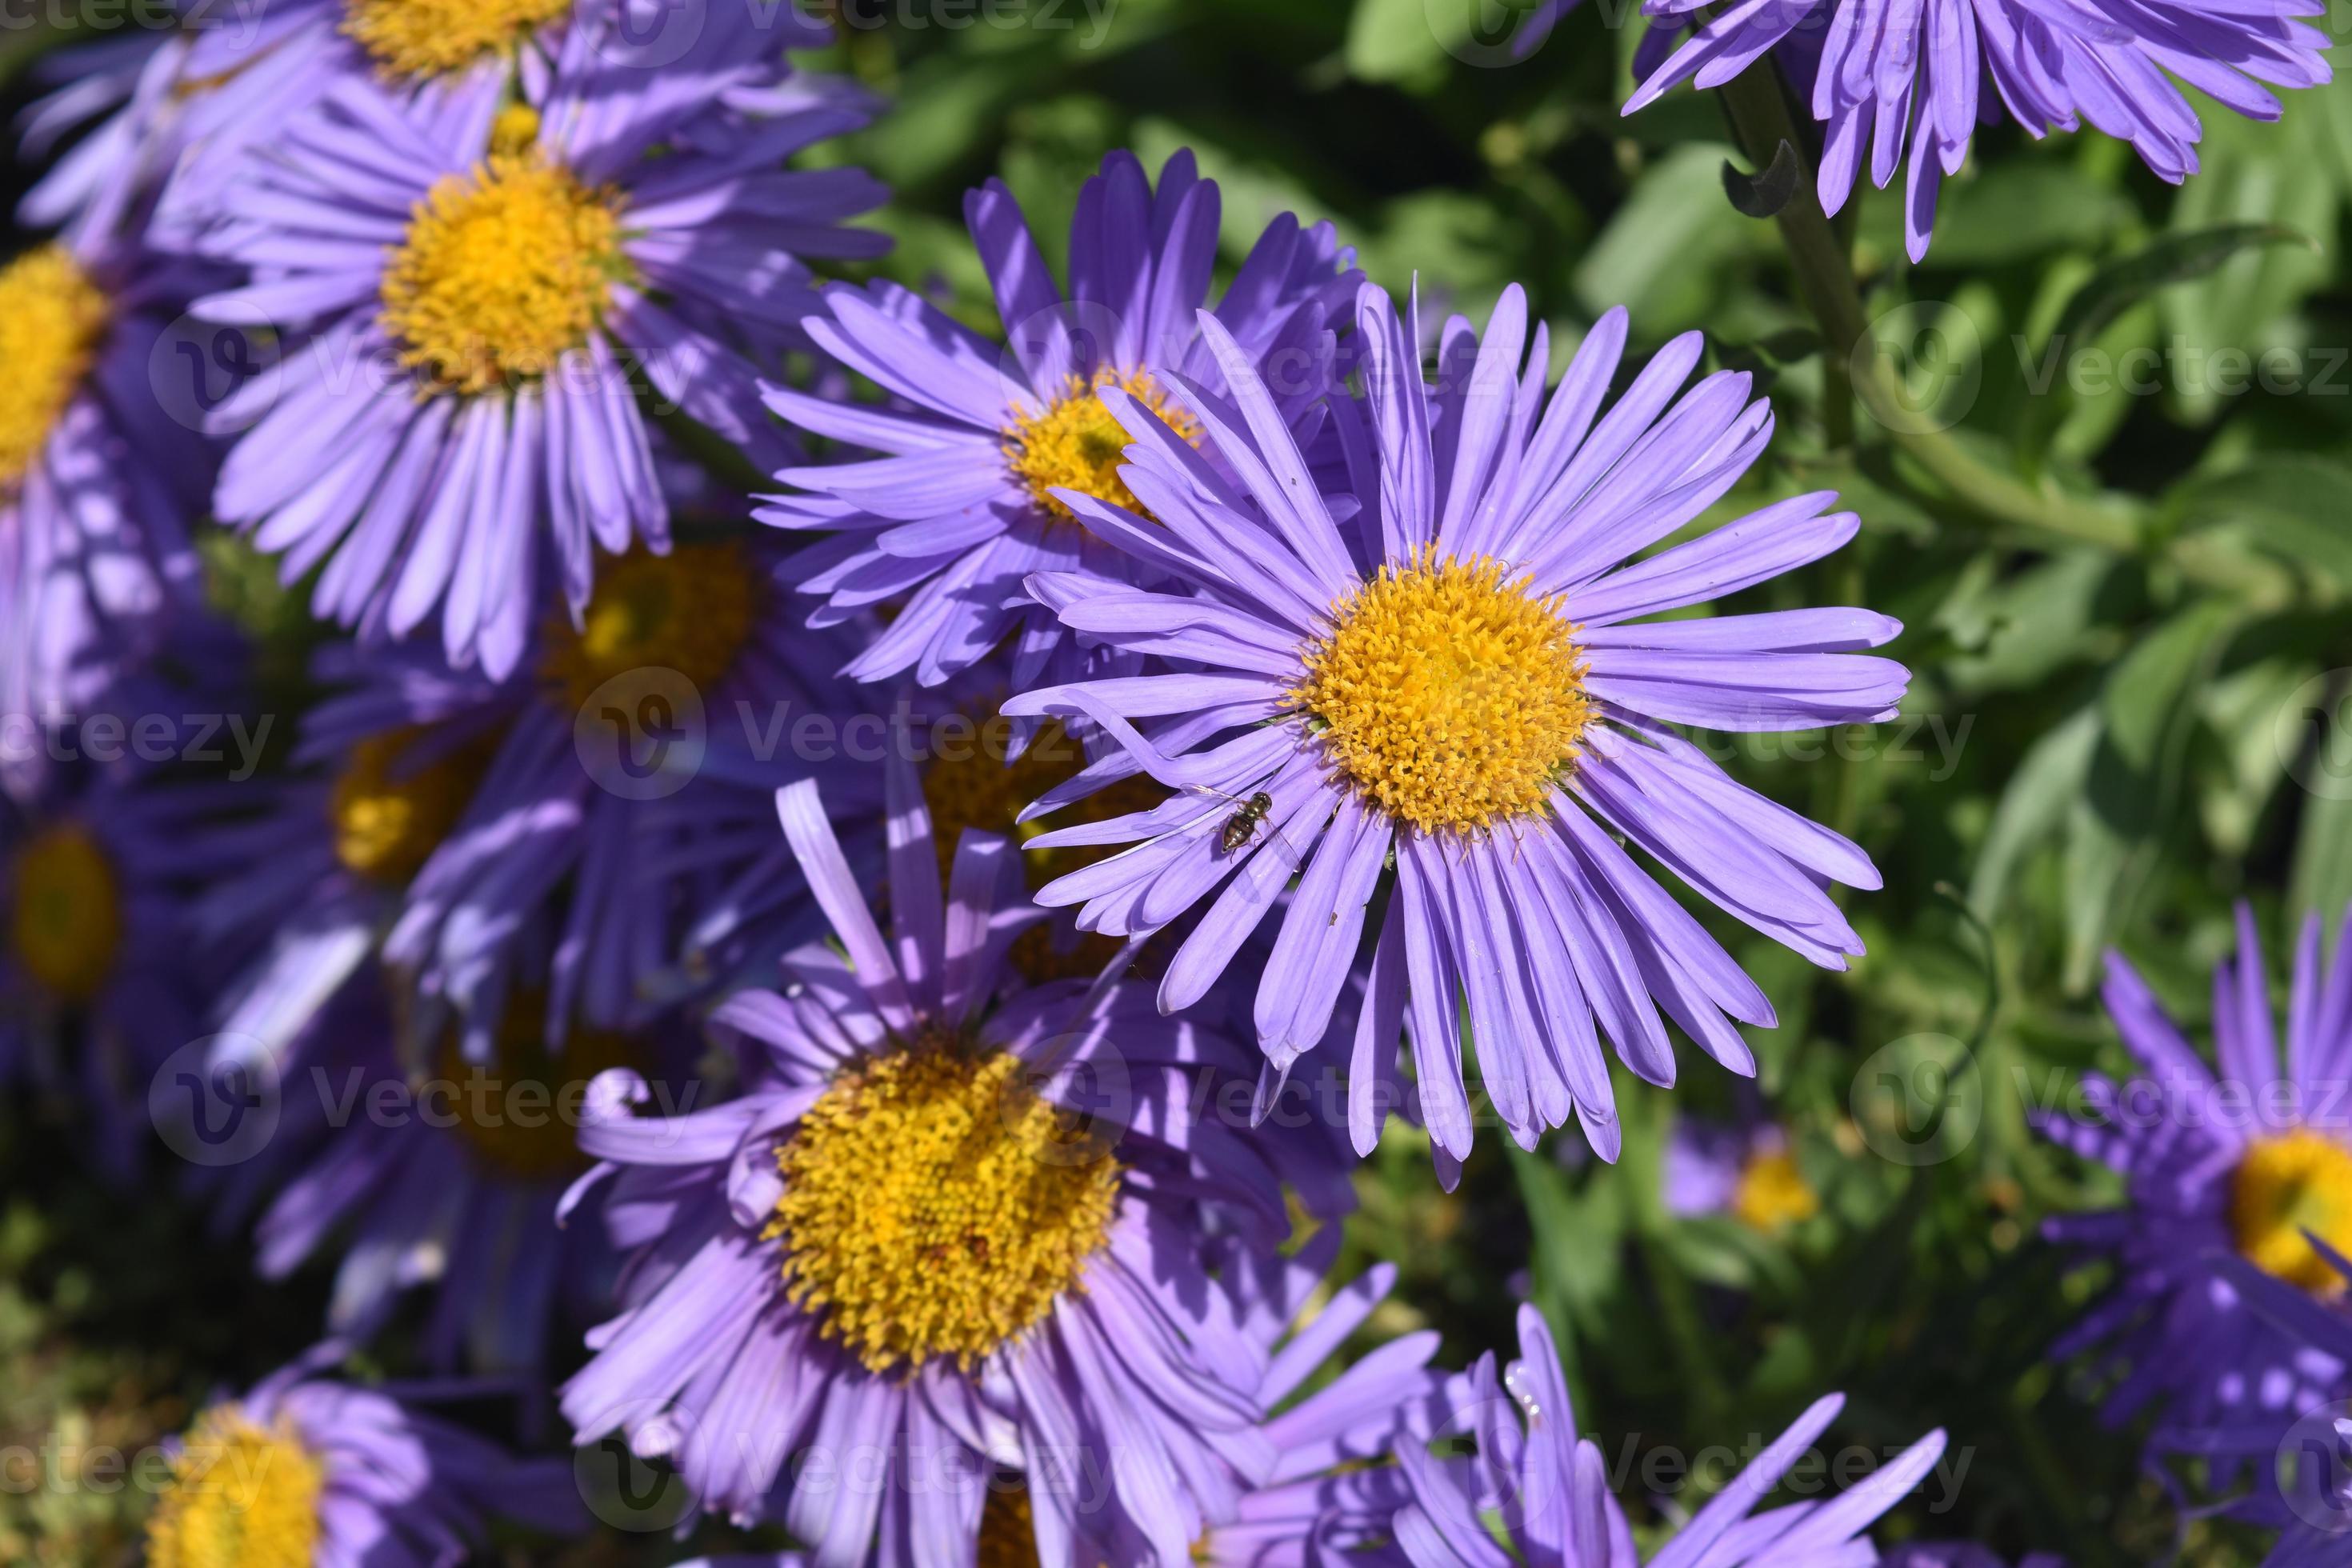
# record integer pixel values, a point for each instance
(1764, 195)
(2175, 258)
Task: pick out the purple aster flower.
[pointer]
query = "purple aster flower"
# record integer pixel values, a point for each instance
(96, 988)
(1450, 714)
(120, 95)
(2309, 1545)
(320, 859)
(1548, 1489)
(986, 782)
(1329, 1490)
(1745, 1170)
(951, 1227)
(427, 1174)
(603, 862)
(2250, 1162)
(477, 290)
(303, 1470)
(1881, 73)
(2312, 1456)
(980, 443)
(97, 481)
(570, 830)
(242, 79)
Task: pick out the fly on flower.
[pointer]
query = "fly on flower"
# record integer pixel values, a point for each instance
(1460, 707)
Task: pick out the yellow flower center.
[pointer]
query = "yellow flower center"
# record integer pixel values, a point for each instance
(502, 272)
(934, 1205)
(1772, 1194)
(437, 38)
(690, 611)
(1449, 695)
(1073, 444)
(2287, 1183)
(68, 914)
(239, 1496)
(514, 129)
(520, 1112)
(390, 814)
(51, 319)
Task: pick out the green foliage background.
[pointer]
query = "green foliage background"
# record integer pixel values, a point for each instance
(2102, 744)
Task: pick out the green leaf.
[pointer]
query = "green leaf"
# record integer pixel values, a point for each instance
(2288, 504)
(2148, 692)
(2277, 174)
(1397, 41)
(2323, 859)
(2015, 210)
(2023, 629)
(2175, 258)
(1574, 1266)
(2240, 774)
(2109, 827)
(2034, 806)
(1446, 238)
(1662, 256)
(1764, 193)
(2113, 827)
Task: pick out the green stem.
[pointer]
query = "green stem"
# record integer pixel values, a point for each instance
(1757, 104)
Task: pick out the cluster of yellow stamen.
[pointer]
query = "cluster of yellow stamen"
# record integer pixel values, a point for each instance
(2287, 1183)
(1073, 443)
(68, 912)
(52, 318)
(412, 39)
(975, 788)
(390, 812)
(239, 1496)
(934, 1205)
(1772, 1195)
(520, 1111)
(502, 272)
(1448, 693)
(690, 611)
